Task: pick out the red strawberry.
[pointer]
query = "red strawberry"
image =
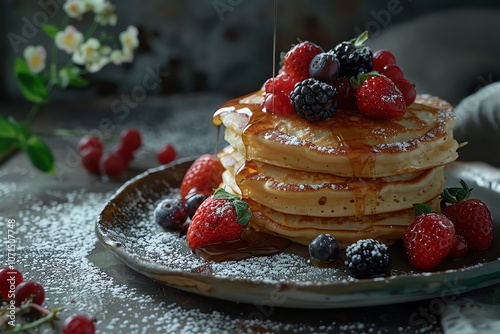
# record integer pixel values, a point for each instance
(221, 217)
(204, 175)
(377, 97)
(429, 238)
(472, 217)
(459, 248)
(297, 60)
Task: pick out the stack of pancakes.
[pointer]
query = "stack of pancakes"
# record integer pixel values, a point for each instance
(348, 176)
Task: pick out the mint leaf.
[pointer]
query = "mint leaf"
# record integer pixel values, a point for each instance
(40, 155)
(421, 209)
(31, 85)
(243, 212)
(222, 194)
(50, 30)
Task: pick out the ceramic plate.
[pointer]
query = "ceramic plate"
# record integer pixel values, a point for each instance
(127, 228)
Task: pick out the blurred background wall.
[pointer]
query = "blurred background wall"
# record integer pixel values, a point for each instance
(449, 48)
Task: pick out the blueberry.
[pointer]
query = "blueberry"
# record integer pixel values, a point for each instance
(171, 213)
(194, 202)
(324, 248)
(324, 67)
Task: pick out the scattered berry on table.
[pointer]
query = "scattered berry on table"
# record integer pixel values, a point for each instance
(126, 155)
(382, 58)
(429, 238)
(314, 100)
(393, 72)
(346, 94)
(367, 258)
(324, 67)
(90, 160)
(89, 142)
(459, 249)
(407, 89)
(29, 289)
(221, 217)
(471, 217)
(113, 165)
(193, 202)
(78, 324)
(166, 155)
(171, 213)
(9, 278)
(278, 104)
(354, 57)
(296, 61)
(131, 139)
(378, 98)
(324, 248)
(203, 176)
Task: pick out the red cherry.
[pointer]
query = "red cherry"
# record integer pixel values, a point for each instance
(408, 90)
(281, 105)
(459, 249)
(126, 155)
(78, 324)
(166, 155)
(90, 159)
(393, 72)
(131, 139)
(29, 289)
(382, 58)
(9, 279)
(113, 165)
(89, 142)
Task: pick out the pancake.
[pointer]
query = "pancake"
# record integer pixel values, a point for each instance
(347, 144)
(325, 195)
(387, 228)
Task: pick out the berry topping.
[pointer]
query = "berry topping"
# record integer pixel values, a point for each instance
(459, 248)
(78, 324)
(29, 290)
(314, 100)
(346, 94)
(9, 279)
(367, 258)
(171, 213)
(296, 61)
(166, 155)
(429, 238)
(324, 248)
(193, 203)
(202, 177)
(382, 58)
(278, 104)
(378, 97)
(354, 57)
(407, 89)
(393, 72)
(131, 139)
(324, 67)
(221, 217)
(471, 217)
(282, 83)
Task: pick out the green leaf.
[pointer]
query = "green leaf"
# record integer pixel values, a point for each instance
(50, 30)
(30, 84)
(243, 212)
(223, 194)
(40, 155)
(421, 209)
(7, 129)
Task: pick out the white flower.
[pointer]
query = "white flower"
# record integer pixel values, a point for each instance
(75, 8)
(35, 57)
(129, 39)
(95, 6)
(121, 56)
(69, 39)
(105, 14)
(92, 55)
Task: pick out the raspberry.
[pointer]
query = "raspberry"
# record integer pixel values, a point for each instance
(314, 100)
(324, 67)
(278, 104)
(353, 60)
(367, 258)
(382, 58)
(166, 155)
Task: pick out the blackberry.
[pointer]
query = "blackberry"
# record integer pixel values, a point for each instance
(324, 248)
(367, 258)
(314, 100)
(353, 60)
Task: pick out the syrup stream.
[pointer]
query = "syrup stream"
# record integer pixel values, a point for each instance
(274, 45)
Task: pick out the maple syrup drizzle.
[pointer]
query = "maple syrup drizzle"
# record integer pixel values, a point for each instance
(274, 44)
